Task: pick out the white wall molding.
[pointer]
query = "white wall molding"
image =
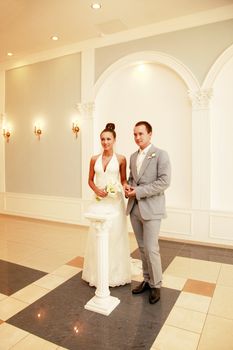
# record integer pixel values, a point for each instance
(151, 57)
(200, 18)
(198, 226)
(217, 67)
(2, 202)
(221, 226)
(60, 209)
(179, 223)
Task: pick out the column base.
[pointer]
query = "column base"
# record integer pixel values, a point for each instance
(103, 306)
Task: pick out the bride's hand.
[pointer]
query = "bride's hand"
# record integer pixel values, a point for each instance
(101, 192)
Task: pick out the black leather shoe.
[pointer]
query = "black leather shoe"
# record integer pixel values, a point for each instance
(154, 295)
(141, 288)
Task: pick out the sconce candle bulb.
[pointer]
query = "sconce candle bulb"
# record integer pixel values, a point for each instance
(75, 129)
(37, 131)
(6, 133)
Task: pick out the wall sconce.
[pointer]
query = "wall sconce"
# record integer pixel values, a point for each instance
(75, 129)
(37, 131)
(6, 133)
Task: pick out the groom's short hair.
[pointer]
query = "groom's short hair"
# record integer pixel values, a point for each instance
(146, 124)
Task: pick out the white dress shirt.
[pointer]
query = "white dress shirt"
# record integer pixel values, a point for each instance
(141, 156)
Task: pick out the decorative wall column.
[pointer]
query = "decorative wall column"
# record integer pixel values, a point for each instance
(86, 110)
(201, 163)
(201, 148)
(2, 141)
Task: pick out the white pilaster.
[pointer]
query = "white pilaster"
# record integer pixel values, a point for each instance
(102, 302)
(201, 163)
(2, 141)
(86, 110)
(201, 149)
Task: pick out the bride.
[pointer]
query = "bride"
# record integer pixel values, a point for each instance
(107, 174)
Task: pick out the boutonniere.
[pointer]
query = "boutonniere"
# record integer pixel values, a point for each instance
(151, 156)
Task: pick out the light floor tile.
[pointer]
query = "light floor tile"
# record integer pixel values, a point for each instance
(33, 342)
(172, 338)
(136, 267)
(226, 275)
(222, 302)
(30, 293)
(194, 269)
(10, 307)
(217, 334)
(186, 319)
(138, 278)
(66, 271)
(10, 335)
(46, 261)
(199, 287)
(16, 251)
(2, 296)
(173, 282)
(50, 281)
(193, 302)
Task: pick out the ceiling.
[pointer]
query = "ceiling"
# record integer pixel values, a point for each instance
(26, 26)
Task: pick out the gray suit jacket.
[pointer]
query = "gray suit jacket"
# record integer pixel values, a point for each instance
(150, 183)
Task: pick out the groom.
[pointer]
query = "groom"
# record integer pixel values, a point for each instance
(149, 177)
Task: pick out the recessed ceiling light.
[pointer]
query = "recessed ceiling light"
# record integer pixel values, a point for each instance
(54, 37)
(9, 54)
(141, 67)
(96, 6)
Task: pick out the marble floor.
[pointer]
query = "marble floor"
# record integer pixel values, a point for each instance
(42, 295)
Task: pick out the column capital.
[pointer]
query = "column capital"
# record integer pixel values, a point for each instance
(86, 109)
(201, 98)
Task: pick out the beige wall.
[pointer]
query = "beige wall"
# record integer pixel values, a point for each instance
(47, 91)
(197, 48)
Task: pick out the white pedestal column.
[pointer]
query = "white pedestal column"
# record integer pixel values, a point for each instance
(102, 302)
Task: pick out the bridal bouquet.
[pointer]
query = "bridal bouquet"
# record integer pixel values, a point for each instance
(112, 188)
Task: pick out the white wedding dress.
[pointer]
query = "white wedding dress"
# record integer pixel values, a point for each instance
(119, 253)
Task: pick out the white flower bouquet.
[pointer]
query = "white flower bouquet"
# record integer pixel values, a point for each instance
(112, 189)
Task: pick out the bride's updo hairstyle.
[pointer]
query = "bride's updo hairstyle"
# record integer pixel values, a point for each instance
(110, 127)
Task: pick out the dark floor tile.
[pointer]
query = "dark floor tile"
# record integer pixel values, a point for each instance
(14, 277)
(229, 252)
(169, 250)
(63, 320)
(177, 246)
(202, 252)
(166, 261)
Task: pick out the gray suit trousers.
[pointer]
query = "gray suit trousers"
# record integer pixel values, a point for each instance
(147, 233)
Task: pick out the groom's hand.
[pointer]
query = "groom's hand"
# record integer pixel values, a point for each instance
(126, 189)
(131, 192)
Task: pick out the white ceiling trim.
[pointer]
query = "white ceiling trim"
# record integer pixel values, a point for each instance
(180, 23)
